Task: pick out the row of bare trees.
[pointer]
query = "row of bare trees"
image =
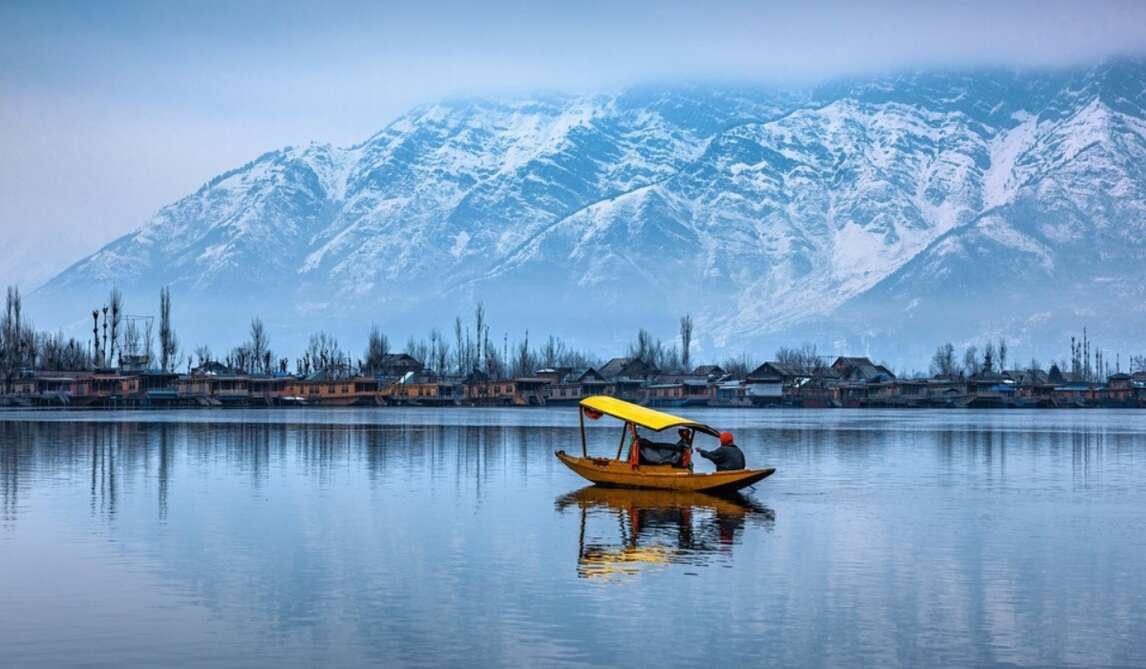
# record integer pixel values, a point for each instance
(991, 359)
(22, 347)
(1087, 363)
(115, 334)
(669, 358)
(472, 350)
(122, 335)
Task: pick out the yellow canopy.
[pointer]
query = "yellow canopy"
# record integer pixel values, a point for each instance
(643, 416)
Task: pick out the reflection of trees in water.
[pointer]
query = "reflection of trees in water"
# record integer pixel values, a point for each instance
(118, 453)
(98, 455)
(1092, 446)
(112, 450)
(482, 451)
(63, 451)
(1090, 449)
(111, 455)
(320, 447)
(103, 464)
(989, 446)
(107, 456)
(164, 449)
(10, 453)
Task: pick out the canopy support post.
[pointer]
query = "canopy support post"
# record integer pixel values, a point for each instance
(584, 446)
(621, 444)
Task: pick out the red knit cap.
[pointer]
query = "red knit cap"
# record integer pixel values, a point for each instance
(725, 438)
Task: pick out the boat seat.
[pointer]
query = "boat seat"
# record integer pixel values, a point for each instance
(660, 453)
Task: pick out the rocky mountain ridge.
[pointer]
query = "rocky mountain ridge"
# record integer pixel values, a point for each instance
(874, 215)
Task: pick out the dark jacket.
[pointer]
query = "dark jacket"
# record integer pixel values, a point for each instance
(726, 458)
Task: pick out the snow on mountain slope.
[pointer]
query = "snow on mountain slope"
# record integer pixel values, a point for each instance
(792, 216)
(763, 212)
(1065, 247)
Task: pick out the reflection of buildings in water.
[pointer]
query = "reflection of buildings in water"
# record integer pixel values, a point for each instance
(658, 527)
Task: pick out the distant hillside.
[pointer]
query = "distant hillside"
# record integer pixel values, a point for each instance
(877, 216)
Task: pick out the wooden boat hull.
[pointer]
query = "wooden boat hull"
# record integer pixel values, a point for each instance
(618, 474)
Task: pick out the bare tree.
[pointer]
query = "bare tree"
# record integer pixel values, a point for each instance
(686, 342)
(149, 342)
(419, 350)
(260, 346)
(22, 348)
(1002, 354)
(12, 338)
(105, 358)
(738, 366)
(323, 354)
(479, 330)
(132, 338)
(806, 358)
(943, 362)
(495, 362)
(523, 360)
(461, 352)
(971, 361)
(549, 352)
(54, 352)
(377, 347)
(989, 358)
(646, 349)
(97, 353)
(471, 358)
(168, 341)
(443, 356)
(115, 305)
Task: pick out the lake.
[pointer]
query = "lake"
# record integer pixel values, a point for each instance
(453, 537)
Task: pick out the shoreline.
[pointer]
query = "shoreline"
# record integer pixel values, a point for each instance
(320, 407)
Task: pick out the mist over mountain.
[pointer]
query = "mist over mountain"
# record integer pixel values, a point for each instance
(879, 216)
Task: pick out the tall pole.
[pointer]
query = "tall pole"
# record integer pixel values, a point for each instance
(584, 446)
(621, 444)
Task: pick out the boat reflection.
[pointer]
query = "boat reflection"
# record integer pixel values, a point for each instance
(657, 527)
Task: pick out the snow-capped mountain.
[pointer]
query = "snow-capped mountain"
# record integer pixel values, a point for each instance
(882, 215)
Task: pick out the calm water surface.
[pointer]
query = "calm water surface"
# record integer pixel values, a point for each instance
(453, 537)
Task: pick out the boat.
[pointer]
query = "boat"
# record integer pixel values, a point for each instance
(630, 472)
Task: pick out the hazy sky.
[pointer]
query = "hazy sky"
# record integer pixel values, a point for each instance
(110, 110)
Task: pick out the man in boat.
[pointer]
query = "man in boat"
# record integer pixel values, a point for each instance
(728, 457)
